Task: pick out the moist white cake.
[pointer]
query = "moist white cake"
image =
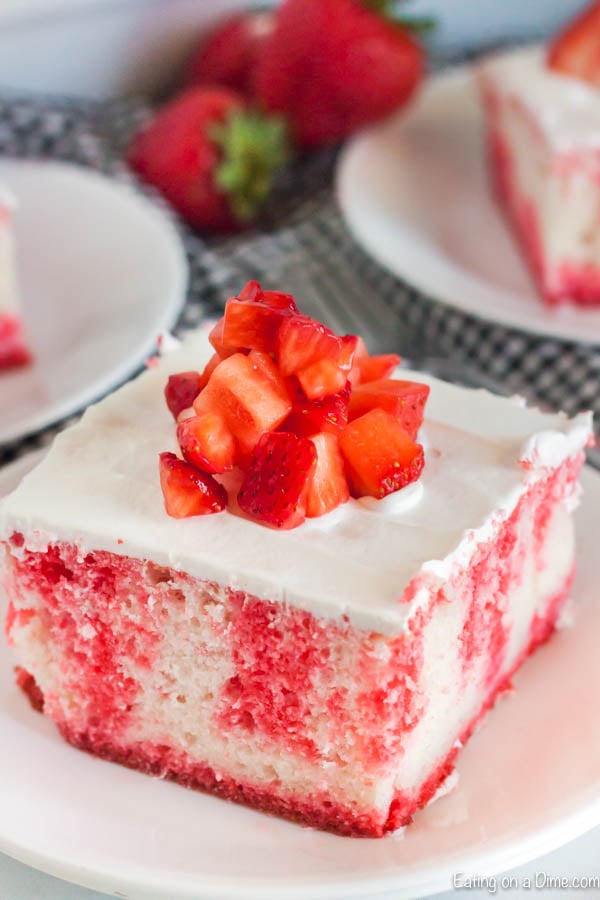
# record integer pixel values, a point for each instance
(329, 673)
(543, 132)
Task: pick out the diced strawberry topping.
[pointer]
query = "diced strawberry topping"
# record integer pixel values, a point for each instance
(305, 415)
(277, 480)
(208, 369)
(404, 400)
(251, 325)
(216, 339)
(188, 492)
(181, 390)
(251, 291)
(380, 456)
(308, 418)
(576, 50)
(275, 299)
(322, 379)
(371, 368)
(303, 342)
(328, 487)
(246, 398)
(279, 300)
(374, 368)
(207, 443)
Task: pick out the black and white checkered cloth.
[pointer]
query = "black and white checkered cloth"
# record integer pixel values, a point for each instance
(302, 245)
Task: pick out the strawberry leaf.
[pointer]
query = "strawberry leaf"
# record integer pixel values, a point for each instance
(254, 147)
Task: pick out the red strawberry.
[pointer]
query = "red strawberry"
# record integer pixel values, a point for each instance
(380, 456)
(576, 50)
(304, 341)
(328, 487)
(211, 158)
(367, 368)
(264, 364)
(322, 379)
(404, 400)
(279, 300)
(188, 492)
(181, 390)
(206, 443)
(208, 369)
(228, 54)
(333, 66)
(372, 368)
(248, 399)
(277, 480)
(251, 325)
(308, 418)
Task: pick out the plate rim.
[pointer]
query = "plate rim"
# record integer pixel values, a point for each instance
(564, 324)
(135, 880)
(174, 301)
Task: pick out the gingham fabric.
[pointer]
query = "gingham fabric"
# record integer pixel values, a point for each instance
(302, 245)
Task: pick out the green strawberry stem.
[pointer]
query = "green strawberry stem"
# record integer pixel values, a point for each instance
(254, 147)
(418, 25)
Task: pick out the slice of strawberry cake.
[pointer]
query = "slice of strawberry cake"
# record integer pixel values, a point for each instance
(542, 112)
(13, 348)
(282, 585)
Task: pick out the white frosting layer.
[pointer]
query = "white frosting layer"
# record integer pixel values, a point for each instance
(567, 109)
(99, 488)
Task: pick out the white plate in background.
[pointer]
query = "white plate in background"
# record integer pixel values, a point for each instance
(529, 781)
(101, 274)
(415, 193)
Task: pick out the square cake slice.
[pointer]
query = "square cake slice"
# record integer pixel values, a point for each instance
(543, 138)
(13, 347)
(329, 673)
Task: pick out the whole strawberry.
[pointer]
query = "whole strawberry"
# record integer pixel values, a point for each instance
(228, 54)
(211, 158)
(333, 66)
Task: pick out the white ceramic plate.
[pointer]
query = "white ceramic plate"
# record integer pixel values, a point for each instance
(529, 781)
(415, 194)
(102, 273)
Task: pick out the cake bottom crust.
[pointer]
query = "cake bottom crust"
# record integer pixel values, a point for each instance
(170, 763)
(13, 348)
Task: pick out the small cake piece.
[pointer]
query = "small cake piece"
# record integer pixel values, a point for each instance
(247, 627)
(543, 134)
(13, 348)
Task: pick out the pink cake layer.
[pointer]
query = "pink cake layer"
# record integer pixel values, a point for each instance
(13, 349)
(267, 704)
(561, 280)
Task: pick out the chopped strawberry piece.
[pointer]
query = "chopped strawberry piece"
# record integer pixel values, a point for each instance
(216, 339)
(250, 325)
(404, 400)
(373, 368)
(188, 492)
(310, 417)
(303, 342)
(208, 369)
(322, 379)
(277, 480)
(279, 300)
(264, 364)
(349, 347)
(275, 299)
(576, 50)
(207, 443)
(249, 401)
(360, 353)
(380, 456)
(328, 487)
(181, 390)
(251, 291)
